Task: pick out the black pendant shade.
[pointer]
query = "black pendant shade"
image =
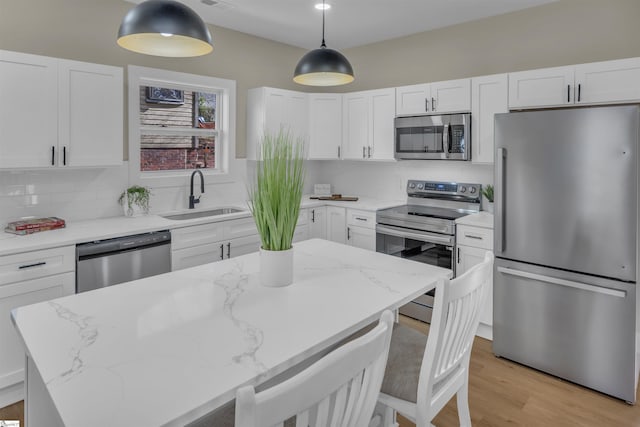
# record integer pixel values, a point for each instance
(323, 66)
(164, 28)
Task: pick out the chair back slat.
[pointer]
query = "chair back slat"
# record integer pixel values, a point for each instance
(339, 390)
(302, 419)
(340, 404)
(455, 320)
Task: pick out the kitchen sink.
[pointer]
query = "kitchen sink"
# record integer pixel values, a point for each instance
(202, 214)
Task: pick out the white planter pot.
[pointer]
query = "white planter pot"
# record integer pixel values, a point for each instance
(276, 268)
(132, 211)
(489, 207)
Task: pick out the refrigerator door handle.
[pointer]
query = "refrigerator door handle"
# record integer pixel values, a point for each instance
(501, 158)
(563, 282)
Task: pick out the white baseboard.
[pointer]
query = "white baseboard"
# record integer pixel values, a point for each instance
(485, 331)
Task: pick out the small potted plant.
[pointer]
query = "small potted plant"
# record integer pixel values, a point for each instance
(275, 203)
(135, 200)
(487, 192)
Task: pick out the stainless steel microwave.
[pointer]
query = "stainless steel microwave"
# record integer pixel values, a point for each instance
(443, 137)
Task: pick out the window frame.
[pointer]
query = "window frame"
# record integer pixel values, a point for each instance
(225, 145)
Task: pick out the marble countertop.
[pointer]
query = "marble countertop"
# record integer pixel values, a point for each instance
(481, 219)
(107, 228)
(168, 349)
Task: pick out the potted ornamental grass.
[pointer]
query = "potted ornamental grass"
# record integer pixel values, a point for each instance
(135, 200)
(274, 201)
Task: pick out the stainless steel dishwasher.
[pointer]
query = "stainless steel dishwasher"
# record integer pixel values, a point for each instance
(109, 262)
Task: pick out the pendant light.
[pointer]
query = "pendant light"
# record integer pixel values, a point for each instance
(323, 66)
(164, 28)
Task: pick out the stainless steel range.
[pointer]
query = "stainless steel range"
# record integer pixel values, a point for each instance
(424, 229)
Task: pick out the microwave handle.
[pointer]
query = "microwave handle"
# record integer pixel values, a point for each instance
(445, 140)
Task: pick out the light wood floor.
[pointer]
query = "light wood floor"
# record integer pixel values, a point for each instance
(503, 393)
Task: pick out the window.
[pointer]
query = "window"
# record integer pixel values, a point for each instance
(177, 129)
(179, 122)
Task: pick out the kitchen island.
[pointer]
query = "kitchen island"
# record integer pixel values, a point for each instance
(168, 349)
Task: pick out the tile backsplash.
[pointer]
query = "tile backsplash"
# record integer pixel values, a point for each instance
(80, 194)
(72, 194)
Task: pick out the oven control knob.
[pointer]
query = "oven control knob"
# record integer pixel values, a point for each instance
(473, 190)
(412, 185)
(420, 186)
(463, 189)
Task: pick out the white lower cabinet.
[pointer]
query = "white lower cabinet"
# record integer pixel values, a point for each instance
(201, 244)
(302, 226)
(472, 245)
(361, 229)
(336, 224)
(25, 279)
(318, 222)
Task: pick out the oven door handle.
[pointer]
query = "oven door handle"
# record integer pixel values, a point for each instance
(425, 237)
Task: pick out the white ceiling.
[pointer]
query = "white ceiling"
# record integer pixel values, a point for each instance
(349, 23)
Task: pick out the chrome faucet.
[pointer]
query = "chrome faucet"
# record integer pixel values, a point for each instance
(192, 199)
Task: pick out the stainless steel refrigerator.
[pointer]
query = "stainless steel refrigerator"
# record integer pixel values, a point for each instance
(566, 244)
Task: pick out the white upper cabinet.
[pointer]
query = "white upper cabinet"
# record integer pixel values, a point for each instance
(91, 110)
(29, 111)
(489, 95)
(451, 96)
(541, 88)
(414, 99)
(355, 125)
(270, 109)
(62, 113)
(368, 124)
(382, 113)
(607, 82)
(325, 125)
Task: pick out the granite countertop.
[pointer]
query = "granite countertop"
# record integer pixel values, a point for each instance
(481, 219)
(168, 349)
(106, 228)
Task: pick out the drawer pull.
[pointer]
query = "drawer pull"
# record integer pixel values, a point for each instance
(36, 264)
(470, 236)
(361, 219)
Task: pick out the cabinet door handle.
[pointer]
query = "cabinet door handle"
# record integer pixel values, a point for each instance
(53, 155)
(35, 264)
(458, 255)
(426, 104)
(568, 93)
(313, 215)
(64, 156)
(348, 233)
(222, 251)
(471, 236)
(579, 90)
(433, 104)
(338, 152)
(364, 151)
(369, 151)
(229, 250)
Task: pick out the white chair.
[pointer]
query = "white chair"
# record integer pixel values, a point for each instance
(424, 373)
(340, 389)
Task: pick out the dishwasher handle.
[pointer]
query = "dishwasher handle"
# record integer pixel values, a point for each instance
(121, 244)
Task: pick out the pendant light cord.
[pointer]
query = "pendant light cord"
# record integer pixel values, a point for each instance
(323, 45)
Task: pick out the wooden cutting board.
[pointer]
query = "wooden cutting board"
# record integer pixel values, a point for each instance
(337, 197)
